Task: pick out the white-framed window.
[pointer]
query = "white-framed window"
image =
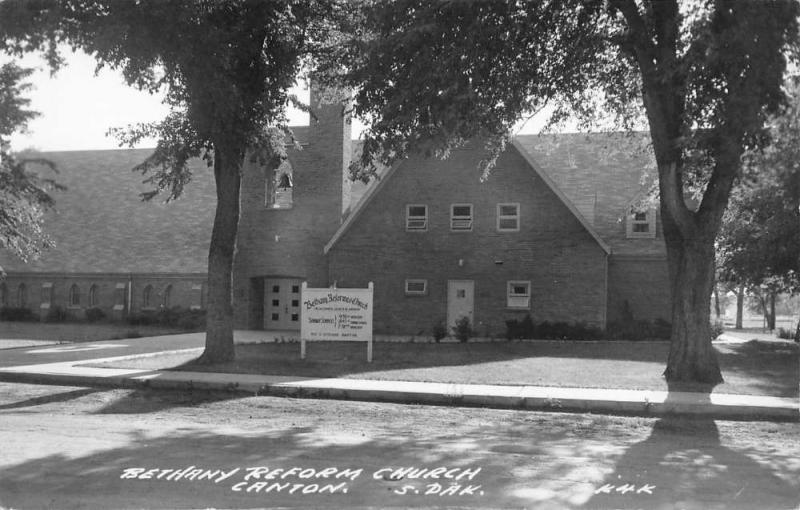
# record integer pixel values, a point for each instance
(508, 217)
(518, 294)
(416, 287)
(461, 217)
(416, 217)
(641, 223)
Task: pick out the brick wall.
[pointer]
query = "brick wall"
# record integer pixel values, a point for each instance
(111, 292)
(289, 242)
(641, 281)
(565, 265)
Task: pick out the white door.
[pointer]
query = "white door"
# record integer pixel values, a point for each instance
(460, 301)
(282, 304)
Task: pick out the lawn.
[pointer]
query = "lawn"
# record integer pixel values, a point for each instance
(78, 332)
(750, 368)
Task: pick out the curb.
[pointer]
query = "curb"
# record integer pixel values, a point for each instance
(633, 403)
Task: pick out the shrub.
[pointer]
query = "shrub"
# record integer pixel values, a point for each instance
(95, 314)
(141, 319)
(11, 313)
(520, 329)
(463, 329)
(785, 334)
(439, 331)
(191, 320)
(662, 329)
(716, 329)
(56, 314)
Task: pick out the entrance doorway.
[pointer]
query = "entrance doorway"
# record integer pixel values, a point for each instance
(460, 301)
(282, 303)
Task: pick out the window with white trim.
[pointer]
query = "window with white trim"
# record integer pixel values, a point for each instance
(508, 217)
(416, 217)
(416, 287)
(518, 294)
(641, 223)
(461, 217)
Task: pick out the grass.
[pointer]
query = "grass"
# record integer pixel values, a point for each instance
(79, 332)
(750, 368)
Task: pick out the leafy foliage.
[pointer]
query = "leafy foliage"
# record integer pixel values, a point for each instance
(24, 194)
(759, 243)
(704, 75)
(226, 65)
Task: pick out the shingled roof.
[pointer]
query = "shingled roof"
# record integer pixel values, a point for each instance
(603, 174)
(100, 224)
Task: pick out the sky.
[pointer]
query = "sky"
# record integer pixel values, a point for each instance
(77, 107)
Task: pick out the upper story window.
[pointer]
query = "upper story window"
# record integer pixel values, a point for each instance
(461, 217)
(278, 187)
(518, 294)
(642, 224)
(416, 217)
(74, 295)
(508, 217)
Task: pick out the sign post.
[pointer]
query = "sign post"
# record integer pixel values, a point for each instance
(331, 314)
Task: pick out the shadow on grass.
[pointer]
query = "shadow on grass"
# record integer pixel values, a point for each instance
(773, 367)
(152, 401)
(63, 396)
(767, 371)
(523, 464)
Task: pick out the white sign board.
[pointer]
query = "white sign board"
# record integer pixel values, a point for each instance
(336, 314)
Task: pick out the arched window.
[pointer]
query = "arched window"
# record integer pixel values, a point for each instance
(74, 295)
(93, 296)
(147, 297)
(3, 294)
(167, 297)
(22, 296)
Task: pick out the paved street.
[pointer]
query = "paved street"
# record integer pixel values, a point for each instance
(69, 447)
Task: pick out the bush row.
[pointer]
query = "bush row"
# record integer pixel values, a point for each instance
(175, 317)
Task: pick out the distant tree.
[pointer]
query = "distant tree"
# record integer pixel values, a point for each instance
(759, 242)
(704, 75)
(227, 66)
(24, 194)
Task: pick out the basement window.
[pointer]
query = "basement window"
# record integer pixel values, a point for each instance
(518, 294)
(416, 287)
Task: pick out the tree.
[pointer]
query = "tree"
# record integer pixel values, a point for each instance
(24, 194)
(759, 242)
(702, 75)
(227, 67)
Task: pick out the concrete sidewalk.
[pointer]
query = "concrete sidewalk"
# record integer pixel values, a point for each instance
(631, 402)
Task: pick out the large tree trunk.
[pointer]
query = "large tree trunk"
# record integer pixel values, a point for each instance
(219, 321)
(739, 306)
(692, 357)
(771, 317)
